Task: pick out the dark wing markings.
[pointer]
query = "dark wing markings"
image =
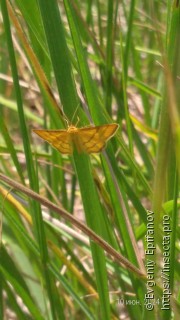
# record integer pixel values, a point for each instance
(97, 137)
(59, 139)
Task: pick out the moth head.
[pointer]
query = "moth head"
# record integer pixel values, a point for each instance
(72, 129)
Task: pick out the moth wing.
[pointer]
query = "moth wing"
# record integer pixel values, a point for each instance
(59, 139)
(93, 139)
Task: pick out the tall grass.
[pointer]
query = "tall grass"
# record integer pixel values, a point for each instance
(74, 228)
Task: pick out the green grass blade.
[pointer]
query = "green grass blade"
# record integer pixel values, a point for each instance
(10, 145)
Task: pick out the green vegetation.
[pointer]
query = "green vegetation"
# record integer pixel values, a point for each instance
(75, 228)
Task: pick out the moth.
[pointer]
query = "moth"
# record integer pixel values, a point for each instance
(89, 140)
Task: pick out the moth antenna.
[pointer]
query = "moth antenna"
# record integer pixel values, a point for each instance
(77, 122)
(66, 120)
(74, 113)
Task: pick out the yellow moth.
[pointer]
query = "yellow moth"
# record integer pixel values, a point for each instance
(90, 139)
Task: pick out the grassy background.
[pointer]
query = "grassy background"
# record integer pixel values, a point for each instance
(73, 227)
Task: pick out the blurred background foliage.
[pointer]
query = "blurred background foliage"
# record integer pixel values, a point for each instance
(91, 62)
